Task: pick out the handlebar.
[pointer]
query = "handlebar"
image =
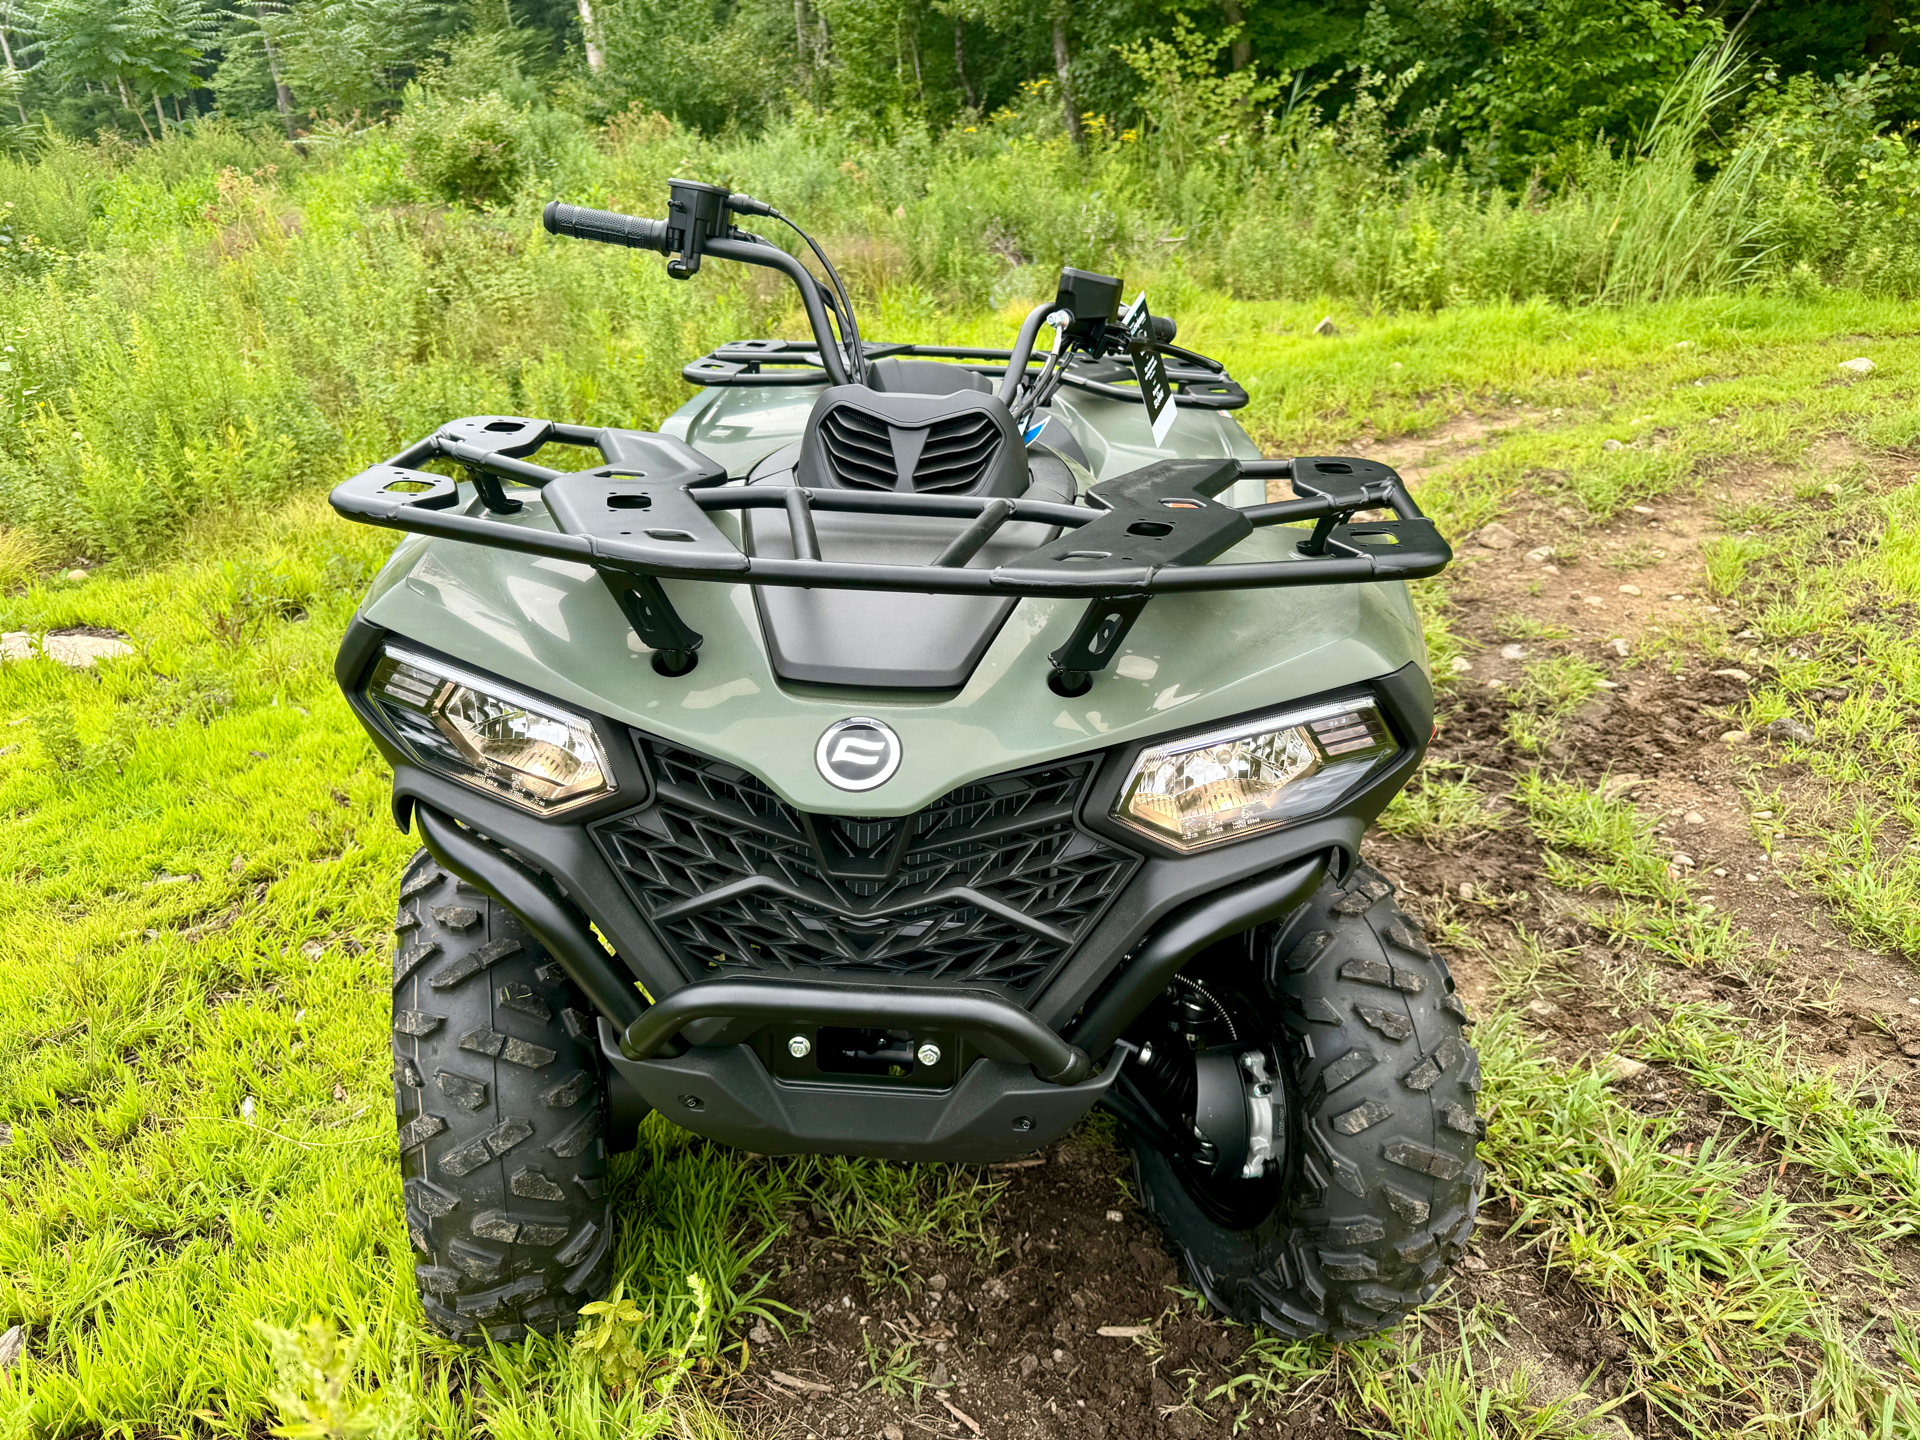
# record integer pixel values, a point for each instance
(700, 222)
(721, 240)
(607, 226)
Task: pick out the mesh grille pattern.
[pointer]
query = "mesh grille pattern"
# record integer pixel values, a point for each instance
(992, 884)
(860, 447)
(958, 452)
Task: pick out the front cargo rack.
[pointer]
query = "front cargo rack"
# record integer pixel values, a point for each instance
(644, 515)
(1196, 382)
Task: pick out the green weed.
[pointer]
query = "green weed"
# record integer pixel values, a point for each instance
(1701, 1274)
(1438, 811)
(1548, 692)
(1861, 1153)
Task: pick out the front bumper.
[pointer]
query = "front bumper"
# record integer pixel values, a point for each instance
(1169, 907)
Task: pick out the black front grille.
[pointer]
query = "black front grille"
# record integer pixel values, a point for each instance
(993, 884)
(957, 453)
(859, 447)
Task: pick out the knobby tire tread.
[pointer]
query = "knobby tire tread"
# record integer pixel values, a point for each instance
(500, 1098)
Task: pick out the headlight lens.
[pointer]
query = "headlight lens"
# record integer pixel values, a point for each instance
(527, 751)
(1202, 789)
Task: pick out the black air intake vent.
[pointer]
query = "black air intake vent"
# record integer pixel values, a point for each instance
(958, 452)
(859, 448)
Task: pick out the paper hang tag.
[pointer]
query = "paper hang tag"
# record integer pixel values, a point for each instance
(1150, 369)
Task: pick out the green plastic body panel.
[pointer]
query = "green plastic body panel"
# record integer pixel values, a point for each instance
(553, 627)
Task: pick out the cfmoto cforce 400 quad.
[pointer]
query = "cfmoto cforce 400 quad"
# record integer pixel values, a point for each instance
(902, 751)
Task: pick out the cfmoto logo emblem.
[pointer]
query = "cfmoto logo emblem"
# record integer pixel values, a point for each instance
(858, 753)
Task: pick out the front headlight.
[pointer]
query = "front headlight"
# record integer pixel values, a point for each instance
(524, 750)
(1255, 776)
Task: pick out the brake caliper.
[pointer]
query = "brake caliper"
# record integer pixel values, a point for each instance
(1235, 1116)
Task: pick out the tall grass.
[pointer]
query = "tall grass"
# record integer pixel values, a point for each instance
(215, 321)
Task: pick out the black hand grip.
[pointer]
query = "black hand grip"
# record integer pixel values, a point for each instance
(607, 226)
(1162, 328)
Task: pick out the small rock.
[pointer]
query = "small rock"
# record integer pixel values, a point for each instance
(1551, 569)
(1113, 1215)
(1720, 870)
(1684, 345)
(1735, 674)
(1029, 1365)
(1860, 365)
(1831, 488)
(1681, 860)
(937, 1282)
(1590, 600)
(1764, 815)
(1695, 818)
(1630, 589)
(941, 1375)
(1643, 510)
(13, 1345)
(1460, 665)
(1474, 1263)
(760, 1335)
(1539, 554)
(239, 865)
(893, 1433)
(1612, 444)
(313, 950)
(79, 652)
(76, 575)
(1496, 536)
(1623, 1068)
(1327, 326)
(1465, 891)
(1513, 652)
(246, 1109)
(1788, 729)
(1735, 738)
(1542, 1007)
(1619, 646)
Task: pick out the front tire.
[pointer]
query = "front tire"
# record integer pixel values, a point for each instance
(1378, 1183)
(500, 1091)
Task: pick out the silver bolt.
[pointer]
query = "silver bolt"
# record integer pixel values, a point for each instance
(1147, 1054)
(798, 1047)
(928, 1054)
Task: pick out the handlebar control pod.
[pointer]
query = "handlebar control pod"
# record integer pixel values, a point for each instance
(607, 226)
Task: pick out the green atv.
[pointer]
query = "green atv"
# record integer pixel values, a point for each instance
(904, 750)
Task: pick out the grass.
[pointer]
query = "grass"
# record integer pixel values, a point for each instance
(1549, 691)
(1593, 841)
(1828, 589)
(1439, 810)
(1701, 1276)
(1860, 1153)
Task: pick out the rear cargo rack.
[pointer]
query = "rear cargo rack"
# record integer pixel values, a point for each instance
(1197, 382)
(644, 516)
